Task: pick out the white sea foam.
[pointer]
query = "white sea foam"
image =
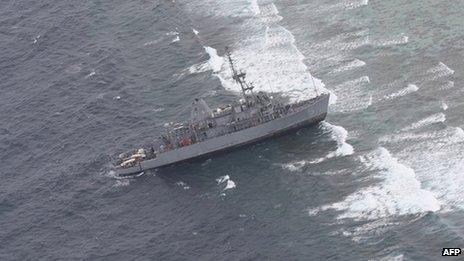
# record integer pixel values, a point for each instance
(432, 119)
(215, 62)
(152, 42)
(122, 183)
(444, 106)
(392, 40)
(272, 61)
(159, 109)
(356, 63)
(350, 4)
(182, 184)
(230, 184)
(92, 73)
(441, 136)
(353, 95)
(347, 5)
(439, 71)
(439, 163)
(340, 135)
(175, 39)
(222, 179)
(448, 85)
(294, 166)
(269, 14)
(254, 7)
(352, 83)
(36, 39)
(399, 192)
(410, 89)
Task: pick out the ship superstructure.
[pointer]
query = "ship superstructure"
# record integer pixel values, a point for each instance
(253, 117)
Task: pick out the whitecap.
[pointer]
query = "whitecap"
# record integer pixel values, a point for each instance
(92, 73)
(410, 89)
(215, 62)
(340, 135)
(439, 71)
(356, 63)
(399, 192)
(152, 42)
(444, 106)
(230, 184)
(222, 179)
(432, 119)
(294, 166)
(175, 39)
(182, 184)
(392, 40)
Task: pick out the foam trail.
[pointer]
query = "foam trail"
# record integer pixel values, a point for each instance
(294, 166)
(360, 81)
(439, 71)
(355, 4)
(347, 5)
(122, 183)
(152, 42)
(399, 193)
(410, 89)
(394, 40)
(432, 119)
(356, 63)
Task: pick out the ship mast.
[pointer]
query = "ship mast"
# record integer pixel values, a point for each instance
(239, 77)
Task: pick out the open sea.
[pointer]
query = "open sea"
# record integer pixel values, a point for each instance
(382, 178)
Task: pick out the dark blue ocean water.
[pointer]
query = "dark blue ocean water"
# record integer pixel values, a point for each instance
(380, 179)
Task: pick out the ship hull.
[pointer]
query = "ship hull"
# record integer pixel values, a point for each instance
(310, 115)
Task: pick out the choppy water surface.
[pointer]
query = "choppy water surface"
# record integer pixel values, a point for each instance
(380, 179)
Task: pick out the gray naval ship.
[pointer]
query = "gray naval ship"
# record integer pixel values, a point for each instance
(254, 117)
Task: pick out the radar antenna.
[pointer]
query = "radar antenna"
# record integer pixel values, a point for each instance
(239, 77)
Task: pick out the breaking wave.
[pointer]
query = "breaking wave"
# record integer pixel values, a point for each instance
(432, 119)
(410, 89)
(399, 192)
(230, 184)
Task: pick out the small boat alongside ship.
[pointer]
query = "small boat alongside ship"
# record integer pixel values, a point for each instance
(254, 117)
